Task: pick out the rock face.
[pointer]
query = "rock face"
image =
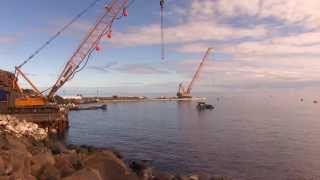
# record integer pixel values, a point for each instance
(27, 158)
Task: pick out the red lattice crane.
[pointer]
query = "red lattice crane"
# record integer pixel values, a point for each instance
(90, 42)
(186, 92)
(83, 52)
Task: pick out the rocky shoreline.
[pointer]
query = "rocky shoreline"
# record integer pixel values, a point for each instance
(28, 153)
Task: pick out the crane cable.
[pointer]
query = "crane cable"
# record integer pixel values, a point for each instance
(162, 2)
(66, 26)
(91, 51)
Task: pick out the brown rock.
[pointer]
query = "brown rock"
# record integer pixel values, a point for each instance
(74, 159)
(108, 165)
(2, 166)
(55, 146)
(50, 172)
(17, 164)
(204, 176)
(30, 177)
(4, 177)
(39, 161)
(194, 177)
(36, 170)
(157, 175)
(8, 169)
(220, 178)
(183, 178)
(64, 166)
(16, 144)
(43, 158)
(85, 174)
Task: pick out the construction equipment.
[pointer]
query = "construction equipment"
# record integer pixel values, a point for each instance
(36, 99)
(88, 45)
(184, 92)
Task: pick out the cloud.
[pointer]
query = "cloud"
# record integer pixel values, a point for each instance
(251, 71)
(301, 45)
(7, 39)
(302, 39)
(209, 20)
(140, 69)
(194, 47)
(189, 32)
(305, 12)
(77, 28)
(105, 68)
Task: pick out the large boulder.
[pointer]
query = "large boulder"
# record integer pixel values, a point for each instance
(16, 164)
(15, 143)
(74, 159)
(55, 146)
(39, 161)
(50, 172)
(64, 166)
(158, 175)
(108, 165)
(85, 174)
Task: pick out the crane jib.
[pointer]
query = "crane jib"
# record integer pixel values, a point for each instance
(196, 75)
(90, 41)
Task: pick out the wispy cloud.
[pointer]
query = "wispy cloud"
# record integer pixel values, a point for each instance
(8, 39)
(305, 13)
(189, 32)
(78, 28)
(140, 69)
(252, 71)
(105, 68)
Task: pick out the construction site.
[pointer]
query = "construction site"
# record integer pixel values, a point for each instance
(48, 109)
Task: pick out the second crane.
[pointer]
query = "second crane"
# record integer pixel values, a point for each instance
(185, 92)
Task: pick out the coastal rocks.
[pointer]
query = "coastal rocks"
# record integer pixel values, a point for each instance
(21, 128)
(144, 171)
(26, 158)
(85, 174)
(39, 161)
(107, 164)
(64, 165)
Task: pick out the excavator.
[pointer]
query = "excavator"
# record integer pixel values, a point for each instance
(21, 101)
(185, 92)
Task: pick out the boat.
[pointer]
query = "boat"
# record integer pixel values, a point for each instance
(203, 106)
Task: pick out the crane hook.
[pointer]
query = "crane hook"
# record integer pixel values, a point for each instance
(162, 3)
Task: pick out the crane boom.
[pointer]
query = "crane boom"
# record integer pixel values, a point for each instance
(88, 44)
(196, 75)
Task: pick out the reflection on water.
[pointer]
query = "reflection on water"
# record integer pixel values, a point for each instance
(247, 136)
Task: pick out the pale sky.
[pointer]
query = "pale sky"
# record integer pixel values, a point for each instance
(258, 43)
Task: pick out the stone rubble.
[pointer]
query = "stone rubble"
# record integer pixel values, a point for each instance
(21, 128)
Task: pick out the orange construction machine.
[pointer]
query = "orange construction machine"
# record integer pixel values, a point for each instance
(15, 98)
